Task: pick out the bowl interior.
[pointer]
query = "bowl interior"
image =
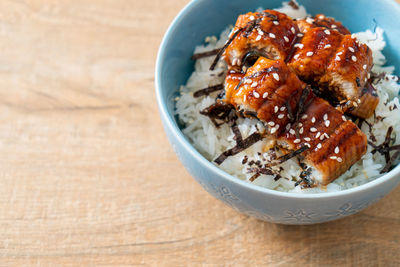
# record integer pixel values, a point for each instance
(203, 18)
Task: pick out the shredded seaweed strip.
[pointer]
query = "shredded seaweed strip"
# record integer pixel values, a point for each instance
(255, 176)
(221, 51)
(293, 4)
(249, 141)
(292, 48)
(238, 135)
(261, 171)
(205, 54)
(221, 112)
(385, 149)
(302, 105)
(208, 90)
(390, 162)
(291, 154)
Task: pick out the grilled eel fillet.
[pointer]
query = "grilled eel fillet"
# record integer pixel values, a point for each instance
(320, 50)
(295, 117)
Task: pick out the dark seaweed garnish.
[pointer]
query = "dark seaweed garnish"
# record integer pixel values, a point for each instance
(205, 54)
(220, 113)
(289, 155)
(246, 143)
(385, 149)
(302, 105)
(391, 162)
(221, 51)
(358, 82)
(251, 57)
(208, 90)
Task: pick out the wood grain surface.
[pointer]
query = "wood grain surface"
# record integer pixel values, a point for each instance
(88, 177)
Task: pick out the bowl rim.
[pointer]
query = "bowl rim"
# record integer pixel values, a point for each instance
(173, 127)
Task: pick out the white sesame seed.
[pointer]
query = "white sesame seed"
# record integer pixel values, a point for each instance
(286, 39)
(260, 32)
(276, 76)
(327, 123)
(351, 49)
(273, 130)
(251, 17)
(333, 157)
(359, 101)
(322, 137)
(327, 46)
(282, 108)
(313, 119)
(339, 53)
(272, 35)
(249, 81)
(296, 56)
(300, 124)
(339, 159)
(304, 117)
(307, 144)
(369, 75)
(337, 58)
(308, 139)
(276, 109)
(354, 58)
(288, 126)
(319, 145)
(256, 95)
(364, 67)
(334, 26)
(326, 135)
(265, 95)
(293, 30)
(353, 36)
(291, 131)
(296, 141)
(301, 130)
(254, 84)
(271, 123)
(275, 22)
(325, 117)
(258, 38)
(337, 150)
(280, 116)
(327, 32)
(313, 129)
(344, 118)
(300, 35)
(244, 98)
(318, 135)
(309, 54)
(277, 126)
(299, 45)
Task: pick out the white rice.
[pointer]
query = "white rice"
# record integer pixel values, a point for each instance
(211, 141)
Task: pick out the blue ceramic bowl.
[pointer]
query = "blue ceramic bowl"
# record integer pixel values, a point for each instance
(201, 18)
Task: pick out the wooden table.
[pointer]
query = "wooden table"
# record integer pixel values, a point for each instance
(88, 177)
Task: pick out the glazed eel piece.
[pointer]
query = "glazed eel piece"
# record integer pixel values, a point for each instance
(295, 118)
(320, 50)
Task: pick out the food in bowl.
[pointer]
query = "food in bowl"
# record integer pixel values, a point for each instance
(298, 105)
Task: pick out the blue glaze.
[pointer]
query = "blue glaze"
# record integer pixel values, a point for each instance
(202, 18)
